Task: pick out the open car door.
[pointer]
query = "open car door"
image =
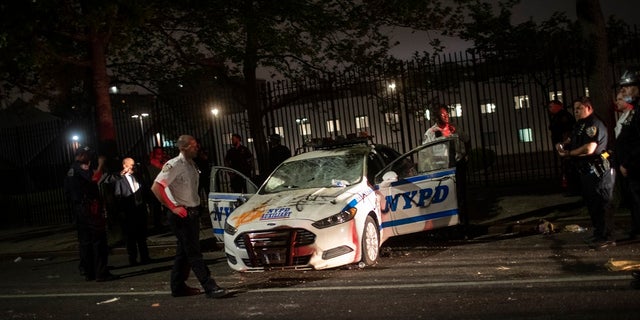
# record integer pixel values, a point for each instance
(223, 200)
(418, 190)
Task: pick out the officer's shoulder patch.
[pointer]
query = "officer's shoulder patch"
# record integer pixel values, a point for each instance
(166, 167)
(591, 131)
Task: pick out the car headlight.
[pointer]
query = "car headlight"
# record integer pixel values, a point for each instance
(336, 219)
(231, 230)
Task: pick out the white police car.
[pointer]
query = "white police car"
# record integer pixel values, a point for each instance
(335, 206)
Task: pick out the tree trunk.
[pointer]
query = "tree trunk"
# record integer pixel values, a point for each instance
(104, 116)
(255, 112)
(599, 73)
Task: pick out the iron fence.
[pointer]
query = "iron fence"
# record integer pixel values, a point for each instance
(500, 107)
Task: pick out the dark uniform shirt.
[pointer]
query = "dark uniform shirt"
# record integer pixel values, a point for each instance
(627, 152)
(277, 155)
(588, 130)
(240, 158)
(79, 185)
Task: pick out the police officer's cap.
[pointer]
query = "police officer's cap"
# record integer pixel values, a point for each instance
(631, 77)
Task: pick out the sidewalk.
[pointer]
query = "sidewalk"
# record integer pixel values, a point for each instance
(36, 241)
(498, 214)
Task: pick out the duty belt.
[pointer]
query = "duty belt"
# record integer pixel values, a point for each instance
(193, 210)
(595, 165)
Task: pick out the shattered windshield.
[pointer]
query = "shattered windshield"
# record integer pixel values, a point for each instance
(331, 171)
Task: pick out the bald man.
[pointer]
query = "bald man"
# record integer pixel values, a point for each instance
(129, 193)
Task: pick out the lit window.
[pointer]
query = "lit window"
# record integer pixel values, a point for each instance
(330, 126)
(305, 129)
(362, 123)
(555, 95)
(279, 130)
(227, 137)
(455, 110)
(525, 135)
(488, 107)
(586, 91)
(391, 118)
(521, 102)
(304, 126)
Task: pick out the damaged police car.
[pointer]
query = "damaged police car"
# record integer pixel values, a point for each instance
(336, 205)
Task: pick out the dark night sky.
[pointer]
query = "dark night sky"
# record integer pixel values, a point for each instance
(627, 10)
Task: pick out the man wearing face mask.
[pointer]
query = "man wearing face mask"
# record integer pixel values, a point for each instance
(627, 149)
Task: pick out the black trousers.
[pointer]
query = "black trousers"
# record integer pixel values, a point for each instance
(188, 254)
(597, 193)
(92, 239)
(135, 230)
(631, 194)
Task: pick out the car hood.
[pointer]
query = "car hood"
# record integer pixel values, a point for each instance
(306, 204)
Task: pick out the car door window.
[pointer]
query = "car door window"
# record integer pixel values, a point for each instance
(434, 157)
(438, 155)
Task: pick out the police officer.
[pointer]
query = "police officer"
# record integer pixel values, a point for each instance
(277, 151)
(586, 147)
(180, 176)
(627, 149)
(81, 186)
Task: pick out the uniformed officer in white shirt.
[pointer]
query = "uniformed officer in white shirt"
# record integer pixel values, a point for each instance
(179, 176)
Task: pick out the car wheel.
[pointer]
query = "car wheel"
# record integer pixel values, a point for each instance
(370, 242)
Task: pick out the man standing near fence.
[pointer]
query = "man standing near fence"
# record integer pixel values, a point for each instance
(129, 192)
(586, 148)
(180, 177)
(240, 158)
(81, 186)
(561, 123)
(627, 150)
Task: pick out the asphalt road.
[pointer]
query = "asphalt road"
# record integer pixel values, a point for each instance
(519, 277)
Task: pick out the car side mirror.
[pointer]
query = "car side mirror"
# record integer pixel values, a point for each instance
(239, 201)
(388, 178)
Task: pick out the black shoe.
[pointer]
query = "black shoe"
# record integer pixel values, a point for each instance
(107, 277)
(146, 261)
(89, 278)
(185, 292)
(217, 293)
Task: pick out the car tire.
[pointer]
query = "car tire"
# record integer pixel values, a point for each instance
(370, 242)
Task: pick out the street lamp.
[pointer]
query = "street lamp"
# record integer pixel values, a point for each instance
(140, 117)
(215, 111)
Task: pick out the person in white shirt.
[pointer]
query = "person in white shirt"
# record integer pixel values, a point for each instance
(176, 187)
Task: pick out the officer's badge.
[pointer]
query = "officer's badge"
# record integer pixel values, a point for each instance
(166, 167)
(591, 131)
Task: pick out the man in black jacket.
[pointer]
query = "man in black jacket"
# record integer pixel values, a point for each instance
(129, 193)
(627, 150)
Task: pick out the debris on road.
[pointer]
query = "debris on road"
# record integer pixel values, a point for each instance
(108, 301)
(574, 228)
(546, 227)
(622, 265)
